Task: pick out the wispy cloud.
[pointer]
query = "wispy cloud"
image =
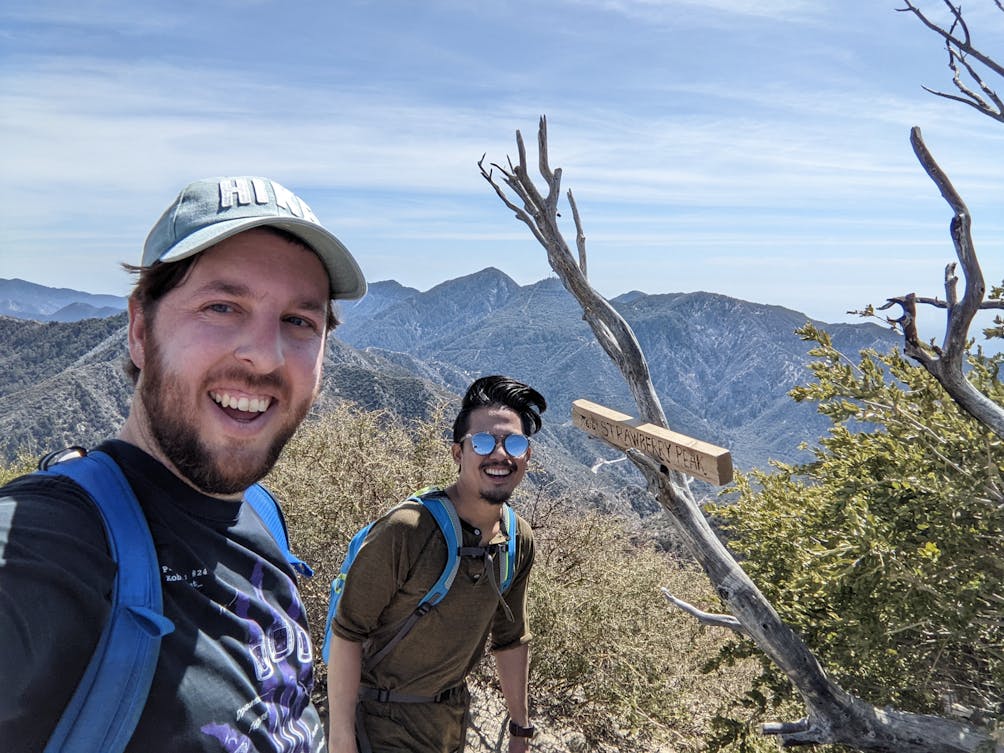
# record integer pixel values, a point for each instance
(670, 10)
(703, 140)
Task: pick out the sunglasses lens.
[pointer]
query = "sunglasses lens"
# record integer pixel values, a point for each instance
(483, 443)
(516, 445)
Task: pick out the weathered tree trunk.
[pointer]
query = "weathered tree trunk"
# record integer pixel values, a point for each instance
(833, 715)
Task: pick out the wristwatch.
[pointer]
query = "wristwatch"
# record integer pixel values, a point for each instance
(517, 731)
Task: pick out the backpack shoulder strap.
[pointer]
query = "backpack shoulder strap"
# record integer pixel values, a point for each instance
(268, 510)
(107, 704)
(446, 517)
(509, 558)
(338, 585)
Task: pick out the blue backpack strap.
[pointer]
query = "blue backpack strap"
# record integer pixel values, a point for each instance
(268, 510)
(509, 560)
(107, 704)
(446, 516)
(442, 511)
(338, 585)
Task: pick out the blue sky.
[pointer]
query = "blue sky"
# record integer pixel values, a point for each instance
(755, 148)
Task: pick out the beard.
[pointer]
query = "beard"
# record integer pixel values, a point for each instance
(495, 495)
(173, 422)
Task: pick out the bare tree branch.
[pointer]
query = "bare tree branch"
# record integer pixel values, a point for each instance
(580, 235)
(958, 43)
(705, 618)
(834, 716)
(540, 215)
(946, 363)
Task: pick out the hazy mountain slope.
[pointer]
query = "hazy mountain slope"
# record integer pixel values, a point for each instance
(729, 364)
(721, 366)
(79, 405)
(27, 300)
(31, 351)
(380, 296)
(74, 312)
(401, 327)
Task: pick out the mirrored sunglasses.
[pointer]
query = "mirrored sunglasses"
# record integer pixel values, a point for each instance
(484, 443)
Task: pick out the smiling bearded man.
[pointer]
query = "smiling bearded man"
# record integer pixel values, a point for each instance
(177, 422)
(227, 329)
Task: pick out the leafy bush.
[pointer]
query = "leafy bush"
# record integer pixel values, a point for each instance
(884, 552)
(25, 462)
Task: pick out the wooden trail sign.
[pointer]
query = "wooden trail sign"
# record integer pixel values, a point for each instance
(682, 453)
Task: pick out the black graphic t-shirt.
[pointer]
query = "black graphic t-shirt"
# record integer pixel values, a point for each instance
(234, 676)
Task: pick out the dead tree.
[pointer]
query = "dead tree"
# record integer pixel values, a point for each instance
(971, 70)
(832, 714)
(945, 362)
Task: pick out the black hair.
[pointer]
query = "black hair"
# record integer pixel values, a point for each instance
(160, 278)
(501, 391)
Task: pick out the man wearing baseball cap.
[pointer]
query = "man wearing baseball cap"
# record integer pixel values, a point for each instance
(227, 326)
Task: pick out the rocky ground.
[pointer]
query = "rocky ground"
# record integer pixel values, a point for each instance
(488, 731)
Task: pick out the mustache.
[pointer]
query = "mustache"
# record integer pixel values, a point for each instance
(495, 463)
(273, 380)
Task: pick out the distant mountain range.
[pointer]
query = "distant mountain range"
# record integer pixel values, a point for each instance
(721, 366)
(26, 300)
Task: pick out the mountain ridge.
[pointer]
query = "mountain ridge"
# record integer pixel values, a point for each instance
(28, 300)
(722, 367)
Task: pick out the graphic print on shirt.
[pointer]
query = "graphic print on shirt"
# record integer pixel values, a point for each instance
(282, 656)
(195, 577)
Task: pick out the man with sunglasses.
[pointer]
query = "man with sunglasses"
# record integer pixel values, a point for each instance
(415, 697)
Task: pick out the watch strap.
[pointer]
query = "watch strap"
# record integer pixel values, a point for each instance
(517, 730)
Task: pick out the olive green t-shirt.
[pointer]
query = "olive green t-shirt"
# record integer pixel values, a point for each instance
(403, 556)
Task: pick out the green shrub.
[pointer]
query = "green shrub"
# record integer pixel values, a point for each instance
(25, 462)
(884, 552)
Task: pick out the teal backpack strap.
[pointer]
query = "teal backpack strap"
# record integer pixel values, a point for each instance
(509, 560)
(442, 511)
(108, 702)
(338, 585)
(268, 510)
(446, 516)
